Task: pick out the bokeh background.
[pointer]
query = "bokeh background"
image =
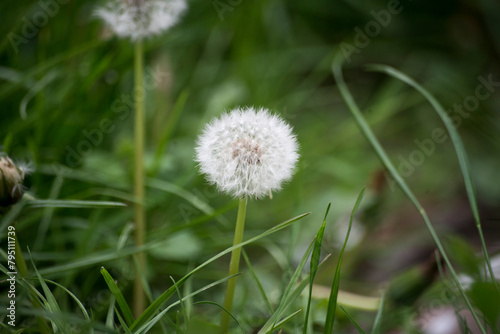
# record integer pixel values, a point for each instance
(66, 86)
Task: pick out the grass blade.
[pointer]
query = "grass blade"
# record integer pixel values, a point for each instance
(332, 302)
(353, 321)
(120, 300)
(378, 319)
(157, 304)
(160, 315)
(459, 149)
(369, 135)
(257, 281)
(314, 265)
(76, 204)
(77, 301)
(279, 324)
(288, 295)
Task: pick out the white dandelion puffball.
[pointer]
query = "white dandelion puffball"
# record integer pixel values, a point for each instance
(138, 19)
(247, 152)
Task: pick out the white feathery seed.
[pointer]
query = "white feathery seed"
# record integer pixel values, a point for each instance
(247, 152)
(138, 19)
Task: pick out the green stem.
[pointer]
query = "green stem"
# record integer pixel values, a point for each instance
(234, 264)
(370, 136)
(20, 263)
(139, 215)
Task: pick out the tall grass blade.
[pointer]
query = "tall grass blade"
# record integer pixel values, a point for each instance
(369, 135)
(332, 301)
(257, 281)
(353, 321)
(157, 304)
(50, 302)
(459, 149)
(77, 301)
(314, 266)
(76, 204)
(378, 319)
(149, 324)
(288, 295)
(120, 300)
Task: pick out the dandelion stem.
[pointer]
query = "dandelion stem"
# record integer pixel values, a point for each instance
(234, 264)
(140, 217)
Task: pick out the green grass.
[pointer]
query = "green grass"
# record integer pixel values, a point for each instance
(78, 214)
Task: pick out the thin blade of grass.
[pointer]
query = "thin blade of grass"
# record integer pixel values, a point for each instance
(77, 301)
(156, 305)
(334, 293)
(181, 300)
(286, 298)
(382, 155)
(282, 322)
(123, 323)
(222, 308)
(459, 149)
(291, 297)
(120, 300)
(378, 319)
(257, 281)
(50, 301)
(353, 321)
(111, 313)
(314, 265)
(76, 204)
(145, 328)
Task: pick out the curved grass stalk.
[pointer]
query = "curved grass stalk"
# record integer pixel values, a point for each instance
(370, 136)
(459, 149)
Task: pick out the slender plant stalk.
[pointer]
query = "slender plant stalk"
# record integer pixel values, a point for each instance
(460, 150)
(140, 217)
(370, 136)
(20, 263)
(234, 265)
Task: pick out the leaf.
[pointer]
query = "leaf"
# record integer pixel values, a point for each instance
(382, 155)
(358, 327)
(77, 204)
(157, 304)
(332, 301)
(120, 300)
(378, 318)
(314, 265)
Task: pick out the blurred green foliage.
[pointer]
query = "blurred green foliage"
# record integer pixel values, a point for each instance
(65, 91)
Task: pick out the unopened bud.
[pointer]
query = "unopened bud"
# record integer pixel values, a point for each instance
(11, 182)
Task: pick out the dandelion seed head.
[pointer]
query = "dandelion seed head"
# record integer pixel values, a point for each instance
(138, 19)
(247, 152)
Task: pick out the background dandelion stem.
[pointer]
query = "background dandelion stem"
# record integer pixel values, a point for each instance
(139, 215)
(234, 264)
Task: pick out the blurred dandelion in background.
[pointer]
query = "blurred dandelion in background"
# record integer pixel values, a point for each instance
(139, 19)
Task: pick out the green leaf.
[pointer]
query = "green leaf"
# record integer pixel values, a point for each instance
(353, 321)
(76, 204)
(378, 319)
(382, 155)
(459, 149)
(149, 324)
(332, 301)
(257, 281)
(120, 300)
(157, 304)
(314, 265)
